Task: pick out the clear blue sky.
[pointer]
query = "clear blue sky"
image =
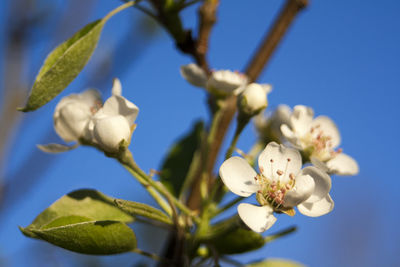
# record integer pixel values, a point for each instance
(341, 58)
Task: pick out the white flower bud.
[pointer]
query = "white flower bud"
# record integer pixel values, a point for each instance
(226, 82)
(194, 75)
(73, 112)
(254, 98)
(108, 132)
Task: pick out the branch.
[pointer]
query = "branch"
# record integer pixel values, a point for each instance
(273, 38)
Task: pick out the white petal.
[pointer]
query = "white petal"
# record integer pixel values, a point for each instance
(110, 131)
(238, 176)
(290, 136)
(253, 98)
(302, 190)
(257, 218)
(316, 209)
(70, 120)
(117, 87)
(118, 105)
(226, 82)
(322, 182)
(343, 164)
(56, 148)
(277, 159)
(301, 119)
(194, 75)
(319, 164)
(328, 127)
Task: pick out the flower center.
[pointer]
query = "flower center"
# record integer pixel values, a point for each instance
(318, 144)
(275, 185)
(96, 106)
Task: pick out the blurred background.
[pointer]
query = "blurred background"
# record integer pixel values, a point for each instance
(340, 57)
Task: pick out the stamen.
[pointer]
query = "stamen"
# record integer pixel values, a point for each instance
(288, 159)
(279, 172)
(291, 176)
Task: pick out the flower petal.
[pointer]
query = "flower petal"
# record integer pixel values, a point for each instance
(290, 136)
(302, 190)
(322, 182)
(277, 159)
(117, 87)
(226, 82)
(56, 148)
(194, 75)
(301, 119)
(238, 176)
(328, 127)
(316, 209)
(343, 164)
(257, 218)
(110, 131)
(119, 105)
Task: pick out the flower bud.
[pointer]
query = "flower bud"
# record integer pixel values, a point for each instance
(226, 82)
(73, 112)
(108, 132)
(194, 75)
(254, 99)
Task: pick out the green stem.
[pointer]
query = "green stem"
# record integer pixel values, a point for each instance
(157, 197)
(280, 234)
(228, 205)
(128, 161)
(149, 255)
(241, 123)
(119, 9)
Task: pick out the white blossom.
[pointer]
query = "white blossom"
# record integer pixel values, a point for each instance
(73, 112)
(318, 138)
(269, 127)
(280, 186)
(114, 122)
(254, 98)
(220, 82)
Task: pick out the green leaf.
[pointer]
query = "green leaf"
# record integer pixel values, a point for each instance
(238, 241)
(86, 203)
(276, 263)
(140, 209)
(84, 221)
(176, 164)
(63, 64)
(88, 237)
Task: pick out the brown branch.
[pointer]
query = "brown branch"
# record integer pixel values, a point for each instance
(207, 15)
(273, 38)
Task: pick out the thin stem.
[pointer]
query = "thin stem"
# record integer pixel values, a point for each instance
(157, 197)
(280, 234)
(242, 122)
(228, 205)
(119, 9)
(150, 255)
(141, 175)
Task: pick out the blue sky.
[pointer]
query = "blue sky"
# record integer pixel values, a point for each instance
(340, 57)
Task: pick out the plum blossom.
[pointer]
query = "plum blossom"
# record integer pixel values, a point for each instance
(220, 82)
(280, 186)
(113, 122)
(318, 138)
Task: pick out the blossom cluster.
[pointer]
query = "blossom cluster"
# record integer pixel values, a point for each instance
(292, 138)
(83, 118)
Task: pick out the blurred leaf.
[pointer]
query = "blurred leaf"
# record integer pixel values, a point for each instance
(84, 221)
(140, 209)
(275, 263)
(86, 203)
(238, 241)
(177, 163)
(63, 64)
(77, 234)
